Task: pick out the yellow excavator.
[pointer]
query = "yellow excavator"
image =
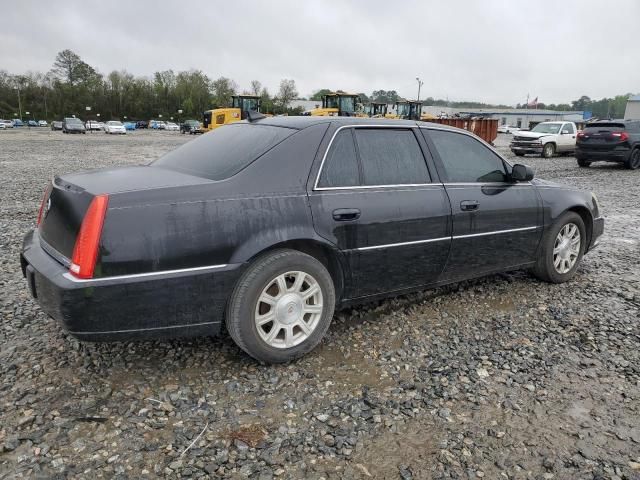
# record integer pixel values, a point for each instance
(410, 110)
(241, 105)
(339, 104)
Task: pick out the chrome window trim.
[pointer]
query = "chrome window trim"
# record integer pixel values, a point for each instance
(53, 252)
(161, 273)
(362, 187)
(440, 239)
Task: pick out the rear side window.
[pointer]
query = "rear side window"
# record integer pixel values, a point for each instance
(390, 157)
(466, 160)
(606, 127)
(341, 166)
(225, 151)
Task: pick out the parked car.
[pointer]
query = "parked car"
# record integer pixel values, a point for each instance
(174, 127)
(157, 125)
(270, 224)
(56, 125)
(42, 123)
(32, 123)
(17, 122)
(191, 127)
(142, 124)
(114, 126)
(73, 125)
(610, 141)
(130, 125)
(7, 123)
(94, 125)
(546, 139)
(507, 129)
(3, 126)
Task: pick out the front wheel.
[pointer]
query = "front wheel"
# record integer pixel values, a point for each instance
(281, 307)
(549, 150)
(633, 162)
(562, 249)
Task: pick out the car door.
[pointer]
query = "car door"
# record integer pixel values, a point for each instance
(496, 222)
(376, 200)
(567, 138)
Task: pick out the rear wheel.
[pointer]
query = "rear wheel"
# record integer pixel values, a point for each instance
(281, 307)
(583, 163)
(562, 249)
(549, 150)
(519, 154)
(633, 162)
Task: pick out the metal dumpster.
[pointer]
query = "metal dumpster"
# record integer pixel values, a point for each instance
(485, 128)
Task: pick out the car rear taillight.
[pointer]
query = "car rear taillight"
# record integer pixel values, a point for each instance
(85, 251)
(581, 135)
(45, 199)
(622, 136)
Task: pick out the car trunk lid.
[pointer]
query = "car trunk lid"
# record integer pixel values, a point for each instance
(68, 197)
(603, 136)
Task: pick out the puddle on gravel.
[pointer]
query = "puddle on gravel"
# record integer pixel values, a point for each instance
(352, 371)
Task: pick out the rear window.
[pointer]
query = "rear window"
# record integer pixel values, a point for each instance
(605, 126)
(225, 151)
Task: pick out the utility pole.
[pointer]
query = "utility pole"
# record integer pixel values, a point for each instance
(19, 102)
(420, 83)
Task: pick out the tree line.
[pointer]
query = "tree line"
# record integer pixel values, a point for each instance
(72, 85)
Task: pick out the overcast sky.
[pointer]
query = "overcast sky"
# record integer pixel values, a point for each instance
(491, 51)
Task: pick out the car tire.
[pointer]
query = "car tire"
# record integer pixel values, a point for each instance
(549, 150)
(519, 154)
(262, 279)
(584, 163)
(633, 162)
(560, 266)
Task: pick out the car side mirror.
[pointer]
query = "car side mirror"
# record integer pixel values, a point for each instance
(522, 173)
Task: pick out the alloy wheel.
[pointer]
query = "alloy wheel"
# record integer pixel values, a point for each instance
(289, 309)
(566, 248)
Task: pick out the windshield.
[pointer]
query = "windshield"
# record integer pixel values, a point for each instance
(73, 120)
(331, 102)
(403, 109)
(348, 104)
(547, 128)
(225, 151)
(115, 124)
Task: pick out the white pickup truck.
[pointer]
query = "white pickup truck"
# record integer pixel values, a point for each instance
(546, 139)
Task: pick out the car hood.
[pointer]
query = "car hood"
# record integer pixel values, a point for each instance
(532, 135)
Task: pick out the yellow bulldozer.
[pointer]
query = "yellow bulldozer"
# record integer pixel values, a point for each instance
(410, 110)
(241, 105)
(339, 104)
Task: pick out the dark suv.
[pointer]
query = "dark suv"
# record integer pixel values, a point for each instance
(610, 141)
(191, 127)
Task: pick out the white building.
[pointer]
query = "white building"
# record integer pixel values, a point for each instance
(521, 118)
(632, 112)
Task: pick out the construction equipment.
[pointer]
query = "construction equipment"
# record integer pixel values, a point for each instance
(409, 109)
(241, 105)
(378, 110)
(339, 104)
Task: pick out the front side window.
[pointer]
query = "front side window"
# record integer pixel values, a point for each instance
(390, 157)
(340, 168)
(568, 128)
(466, 160)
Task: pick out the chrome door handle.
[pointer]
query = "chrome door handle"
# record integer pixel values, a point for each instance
(346, 214)
(469, 205)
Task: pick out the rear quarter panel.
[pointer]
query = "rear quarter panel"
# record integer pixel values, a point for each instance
(225, 222)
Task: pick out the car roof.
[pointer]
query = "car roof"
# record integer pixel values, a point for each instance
(300, 122)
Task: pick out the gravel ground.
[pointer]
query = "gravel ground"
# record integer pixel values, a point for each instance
(502, 377)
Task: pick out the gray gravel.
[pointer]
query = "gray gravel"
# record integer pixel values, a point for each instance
(502, 377)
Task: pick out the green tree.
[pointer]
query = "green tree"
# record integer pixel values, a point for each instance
(317, 96)
(286, 93)
(222, 89)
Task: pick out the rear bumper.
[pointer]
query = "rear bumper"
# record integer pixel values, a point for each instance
(604, 156)
(178, 303)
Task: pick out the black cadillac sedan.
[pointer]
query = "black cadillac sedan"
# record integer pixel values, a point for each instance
(268, 226)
